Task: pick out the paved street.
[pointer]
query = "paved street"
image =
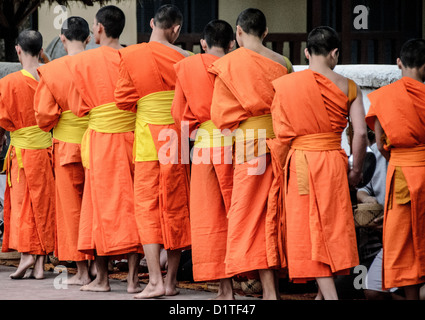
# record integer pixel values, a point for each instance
(51, 288)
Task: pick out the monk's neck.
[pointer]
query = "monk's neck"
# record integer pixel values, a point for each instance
(74, 48)
(254, 44)
(413, 74)
(161, 37)
(110, 42)
(31, 65)
(215, 51)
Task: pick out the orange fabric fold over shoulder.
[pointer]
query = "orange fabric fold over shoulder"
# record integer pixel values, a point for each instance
(29, 203)
(107, 222)
(161, 189)
(242, 90)
(310, 112)
(399, 108)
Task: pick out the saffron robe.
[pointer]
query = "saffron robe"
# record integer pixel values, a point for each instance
(320, 233)
(161, 188)
(400, 109)
(50, 102)
(29, 200)
(107, 222)
(242, 90)
(211, 179)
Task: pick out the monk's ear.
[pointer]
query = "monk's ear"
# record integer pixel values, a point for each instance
(176, 29)
(152, 23)
(231, 45)
(62, 38)
(204, 45)
(307, 54)
(87, 40)
(399, 64)
(239, 30)
(335, 53)
(265, 34)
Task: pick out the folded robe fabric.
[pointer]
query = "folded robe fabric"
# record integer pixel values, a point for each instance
(161, 187)
(211, 177)
(243, 90)
(107, 223)
(52, 112)
(29, 201)
(400, 109)
(310, 112)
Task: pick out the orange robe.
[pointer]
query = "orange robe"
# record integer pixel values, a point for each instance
(161, 190)
(243, 90)
(107, 223)
(320, 233)
(400, 109)
(29, 200)
(50, 101)
(211, 181)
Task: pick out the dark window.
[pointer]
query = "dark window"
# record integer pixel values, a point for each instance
(390, 24)
(196, 13)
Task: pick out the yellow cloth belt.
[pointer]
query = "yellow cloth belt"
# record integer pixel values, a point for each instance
(209, 136)
(106, 118)
(251, 128)
(32, 138)
(155, 109)
(408, 157)
(70, 128)
(311, 142)
(404, 157)
(248, 135)
(318, 142)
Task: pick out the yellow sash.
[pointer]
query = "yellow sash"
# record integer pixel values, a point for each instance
(154, 108)
(32, 138)
(209, 136)
(248, 135)
(251, 128)
(106, 118)
(70, 128)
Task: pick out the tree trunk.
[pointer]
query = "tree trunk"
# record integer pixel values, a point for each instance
(9, 45)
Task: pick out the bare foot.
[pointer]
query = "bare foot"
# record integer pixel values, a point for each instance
(133, 284)
(151, 291)
(78, 279)
(222, 296)
(27, 260)
(96, 286)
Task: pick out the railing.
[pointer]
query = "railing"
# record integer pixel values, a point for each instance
(357, 47)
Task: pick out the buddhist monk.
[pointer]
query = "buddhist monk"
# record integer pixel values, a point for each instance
(310, 112)
(211, 181)
(107, 225)
(29, 201)
(52, 112)
(397, 117)
(161, 187)
(242, 96)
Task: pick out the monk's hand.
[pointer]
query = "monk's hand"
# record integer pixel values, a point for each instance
(354, 177)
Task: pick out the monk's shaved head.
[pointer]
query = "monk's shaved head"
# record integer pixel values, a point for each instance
(113, 20)
(412, 53)
(218, 33)
(168, 16)
(252, 21)
(30, 41)
(322, 40)
(76, 28)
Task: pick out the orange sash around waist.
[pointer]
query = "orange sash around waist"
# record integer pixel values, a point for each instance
(318, 142)
(408, 157)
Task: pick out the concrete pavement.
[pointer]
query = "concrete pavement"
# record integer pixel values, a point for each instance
(51, 288)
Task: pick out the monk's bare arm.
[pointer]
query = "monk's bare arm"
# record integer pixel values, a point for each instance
(359, 142)
(379, 133)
